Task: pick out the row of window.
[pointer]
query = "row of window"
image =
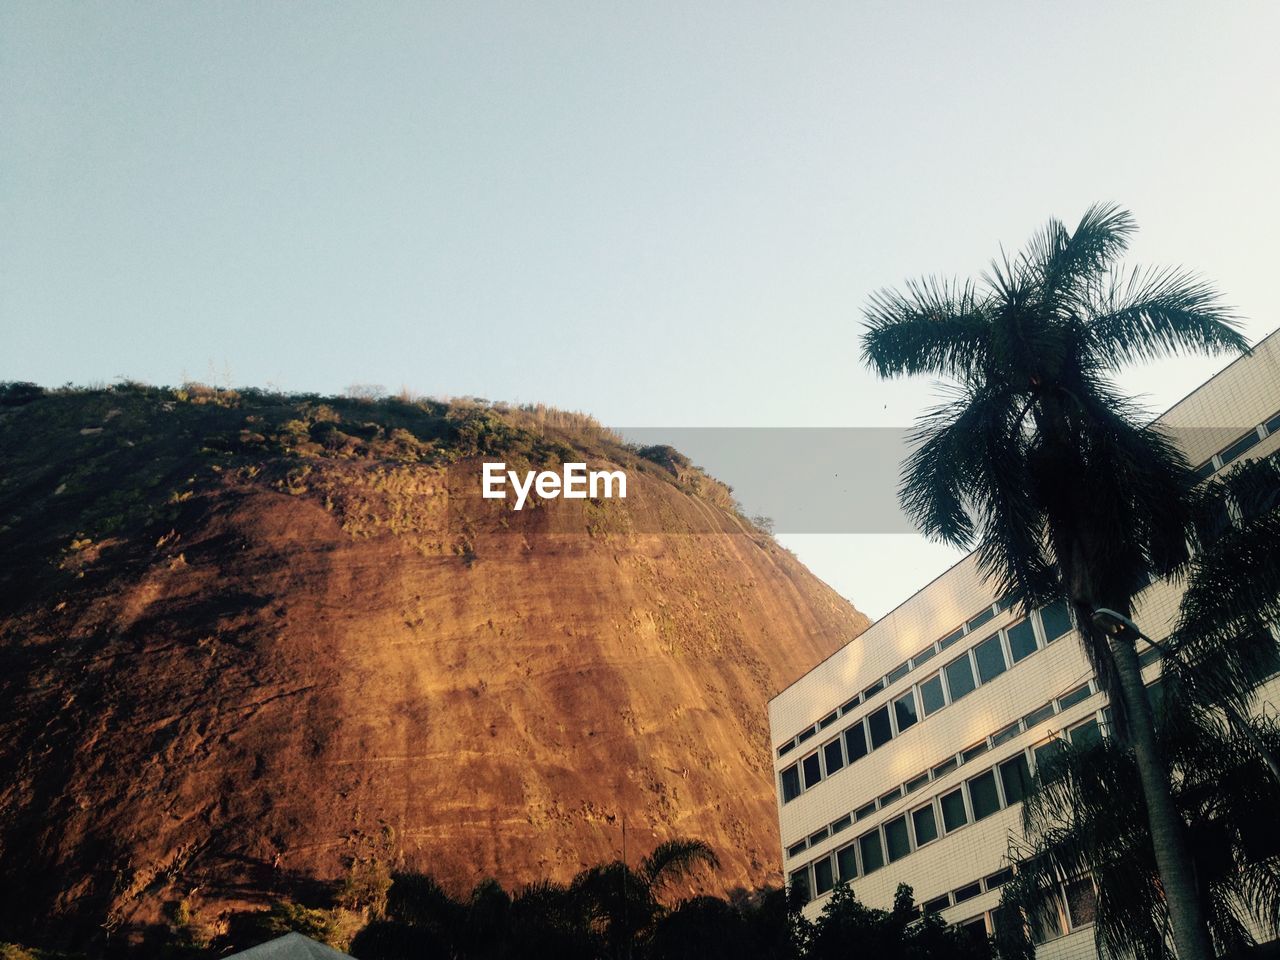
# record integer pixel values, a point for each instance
(980, 664)
(897, 673)
(946, 765)
(1238, 447)
(970, 801)
(1073, 907)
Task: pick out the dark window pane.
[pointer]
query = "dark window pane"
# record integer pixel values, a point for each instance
(1086, 734)
(855, 742)
(1038, 716)
(959, 678)
(950, 638)
(931, 695)
(916, 783)
(1148, 656)
(833, 756)
(1077, 695)
(812, 770)
(786, 748)
(823, 875)
(1246, 442)
(926, 825)
(953, 812)
(1015, 777)
(847, 861)
(928, 653)
(865, 811)
(1273, 425)
(881, 730)
(1005, 735)
(990, 657)
(1046, 924)
(896, 839)
(977, 750)
(797, 848)
(904, 711)
(945, 767)
(842, 823)
(828, 720)
(790, 784)
(898, 672)
(968, 892)
(1046, 754)
(818, 836)
(811, 732)
(981, 618)
(872, 852)
(890, 797)
(873, 689)
(1206, 469)
(999, 878)
(937, 903)
(1082, 902)
(800, 881)
(1056, 620)
(851, 704)
(1022, 640)
(983, 796)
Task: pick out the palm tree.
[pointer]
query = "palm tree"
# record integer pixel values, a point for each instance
(1041, 463)
(1085, 825)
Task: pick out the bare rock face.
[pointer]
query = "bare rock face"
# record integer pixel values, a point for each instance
(246, 640)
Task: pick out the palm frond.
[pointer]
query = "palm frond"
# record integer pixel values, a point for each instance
(935, 327)
(1145, 314)
(1063, 261)
(674, 859)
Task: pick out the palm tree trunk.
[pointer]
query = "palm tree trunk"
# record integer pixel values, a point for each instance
(1177, 872)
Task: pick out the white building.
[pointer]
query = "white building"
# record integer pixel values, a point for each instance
(902, 757)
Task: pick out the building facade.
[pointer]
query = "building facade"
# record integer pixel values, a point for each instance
(903, 757)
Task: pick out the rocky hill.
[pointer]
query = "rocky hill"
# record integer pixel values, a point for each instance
(247, 640)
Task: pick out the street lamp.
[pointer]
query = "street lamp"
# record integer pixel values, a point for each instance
(1116, 624)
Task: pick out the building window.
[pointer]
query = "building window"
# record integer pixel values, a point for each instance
(823, 876)
(896, 838)
(812, 768)
(890, 797)
(913, 785)
(1038, 715)
(1085, 734)
(1007, 734)
(1046, 924)
(931, 695)
(842, 824)
(968, 892)
(881, 730)
(998, 879)
(790, 783)
(984, 617)
(945, 767)
(928, 653)
(983, 795)
(833, 756)
(847, 861)
(1015, 777)
(797, 848)
(990, 657)
(828, 720)
(959, 678)
(1056, 620)
(937, 903)
(855, 742)
(904, 711)
(865, 811)
(972, 753)
(1022, 640)
(1249, 440)
(950, 638)
(898, 672)
(1046, 754)
(926, 826)
(800, 881)
(1082, 902)
(873, 689)
(1078, 695)
(954, 814)
(818, 836)
(872, 852)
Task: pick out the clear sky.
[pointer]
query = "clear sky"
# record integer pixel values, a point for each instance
(662, 214)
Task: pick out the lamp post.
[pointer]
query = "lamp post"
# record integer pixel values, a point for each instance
(1115, 623)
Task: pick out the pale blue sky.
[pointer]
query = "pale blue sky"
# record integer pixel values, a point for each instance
(663, 214)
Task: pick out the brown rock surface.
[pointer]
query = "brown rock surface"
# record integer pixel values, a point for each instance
(276, 659)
